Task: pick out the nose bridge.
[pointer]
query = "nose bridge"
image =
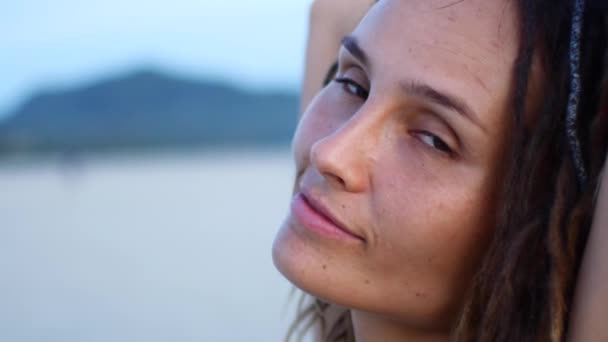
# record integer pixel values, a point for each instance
(343, 156)
(356, 134)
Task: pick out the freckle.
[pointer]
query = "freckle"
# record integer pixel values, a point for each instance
(324, 267)
(367, 281)
(343, 206)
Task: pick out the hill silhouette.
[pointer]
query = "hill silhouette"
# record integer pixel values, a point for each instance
(148, 109)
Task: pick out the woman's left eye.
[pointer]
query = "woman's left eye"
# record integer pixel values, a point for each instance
(353, 87)
(434, 142)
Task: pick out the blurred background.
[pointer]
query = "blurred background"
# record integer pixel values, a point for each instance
(145, 168)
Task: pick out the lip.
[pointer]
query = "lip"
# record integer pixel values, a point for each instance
(317, 218)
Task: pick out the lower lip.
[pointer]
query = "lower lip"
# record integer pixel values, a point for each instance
(316, 222)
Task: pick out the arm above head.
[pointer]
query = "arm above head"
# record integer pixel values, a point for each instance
(329, 22)
(588, 322)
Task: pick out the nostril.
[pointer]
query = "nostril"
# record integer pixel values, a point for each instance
(340, 162)
(335, 180)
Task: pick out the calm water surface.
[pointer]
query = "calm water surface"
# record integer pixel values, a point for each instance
(172, 247)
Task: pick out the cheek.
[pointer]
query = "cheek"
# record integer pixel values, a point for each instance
(430, 233)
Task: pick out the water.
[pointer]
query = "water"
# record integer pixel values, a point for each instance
(172, 247)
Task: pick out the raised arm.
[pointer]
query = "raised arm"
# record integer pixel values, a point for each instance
(329, 21)
(589, 318)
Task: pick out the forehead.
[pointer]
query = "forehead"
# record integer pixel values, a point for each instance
(466, 46)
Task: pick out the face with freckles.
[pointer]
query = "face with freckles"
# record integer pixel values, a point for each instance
(399, 160)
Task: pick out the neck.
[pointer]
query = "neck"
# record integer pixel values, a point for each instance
(370, 327)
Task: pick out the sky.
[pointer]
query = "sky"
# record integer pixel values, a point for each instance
(64, 43)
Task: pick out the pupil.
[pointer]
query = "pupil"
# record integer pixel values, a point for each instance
(440, 144)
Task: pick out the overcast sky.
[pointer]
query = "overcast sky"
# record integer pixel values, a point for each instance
(44, 43)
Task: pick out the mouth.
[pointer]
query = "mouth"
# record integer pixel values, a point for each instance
(316, 218)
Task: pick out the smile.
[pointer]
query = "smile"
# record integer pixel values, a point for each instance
(316, 218)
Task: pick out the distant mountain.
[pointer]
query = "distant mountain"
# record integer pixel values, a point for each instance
(148, 109)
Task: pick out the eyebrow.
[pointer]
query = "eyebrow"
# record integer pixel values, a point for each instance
(448, 101)
(352, 46)
(417, 88)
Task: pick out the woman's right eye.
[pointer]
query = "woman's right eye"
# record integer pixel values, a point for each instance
(352, 87)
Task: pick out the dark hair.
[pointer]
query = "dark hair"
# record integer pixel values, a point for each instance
(524, 288)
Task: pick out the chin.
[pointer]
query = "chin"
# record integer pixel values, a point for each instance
(318, 271)
(292, 257)
(336, 277)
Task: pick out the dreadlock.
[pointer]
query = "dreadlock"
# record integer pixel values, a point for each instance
(575, 91)
(525, 286)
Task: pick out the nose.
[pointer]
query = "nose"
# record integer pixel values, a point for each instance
(342, 157)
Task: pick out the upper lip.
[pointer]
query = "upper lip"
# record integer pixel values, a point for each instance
(323, 210)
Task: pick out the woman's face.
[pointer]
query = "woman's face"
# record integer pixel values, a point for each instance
(399, 160)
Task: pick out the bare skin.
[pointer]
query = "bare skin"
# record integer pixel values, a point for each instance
(330, 20)
(417, 125)
(588, 322)
(328, 23)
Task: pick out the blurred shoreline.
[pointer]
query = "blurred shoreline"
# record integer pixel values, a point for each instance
(128, 155)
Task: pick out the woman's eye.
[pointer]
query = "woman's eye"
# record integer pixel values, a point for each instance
(434, 142)
(353, 87)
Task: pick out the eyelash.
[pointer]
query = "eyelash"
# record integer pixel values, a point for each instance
(357, 90)
(436, 143)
